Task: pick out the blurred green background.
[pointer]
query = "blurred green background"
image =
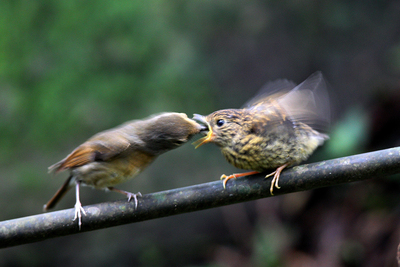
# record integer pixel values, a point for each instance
(69, 69)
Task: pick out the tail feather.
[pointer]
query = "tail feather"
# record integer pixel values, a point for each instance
(59, 194)
(55, 167)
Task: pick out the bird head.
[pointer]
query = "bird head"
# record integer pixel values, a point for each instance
(221, 127)
(168, 130)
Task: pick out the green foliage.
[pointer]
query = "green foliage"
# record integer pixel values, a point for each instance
(69, 68)
(349, 135)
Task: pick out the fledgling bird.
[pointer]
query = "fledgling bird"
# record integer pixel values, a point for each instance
(116, 155)
(272, 131)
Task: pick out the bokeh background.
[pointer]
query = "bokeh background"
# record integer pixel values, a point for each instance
(71, 68)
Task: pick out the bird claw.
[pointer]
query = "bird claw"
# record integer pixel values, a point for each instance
(78, 206)
(134, 196)
(236, 175)
(78, 213)
(128, 194)
(268, 175)
(275, 180)
(226, 178)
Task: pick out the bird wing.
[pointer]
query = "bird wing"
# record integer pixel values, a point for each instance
(269, 120)
(307, 102)
(270, 90)
(98, 148)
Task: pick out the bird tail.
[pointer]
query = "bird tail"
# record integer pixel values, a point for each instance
(59, 194)
(56, 167)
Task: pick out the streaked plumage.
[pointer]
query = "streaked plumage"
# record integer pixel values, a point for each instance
(272, 131)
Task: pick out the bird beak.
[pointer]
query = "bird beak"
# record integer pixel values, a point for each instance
(205, 127)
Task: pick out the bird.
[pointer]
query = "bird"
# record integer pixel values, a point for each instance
(278, 128)
(116, 155)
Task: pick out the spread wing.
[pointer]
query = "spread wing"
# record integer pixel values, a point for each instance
(307, 102)
(271, 90)
(101, 147)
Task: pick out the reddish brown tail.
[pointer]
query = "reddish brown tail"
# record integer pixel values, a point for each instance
(59, 194)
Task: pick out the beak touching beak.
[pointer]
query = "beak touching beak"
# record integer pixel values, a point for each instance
(206, 127)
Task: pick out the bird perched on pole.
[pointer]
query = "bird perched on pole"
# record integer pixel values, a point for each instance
(116, 155)
(273, 130)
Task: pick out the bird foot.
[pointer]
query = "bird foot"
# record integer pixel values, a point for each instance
(128, 194)
(275, 179)
(134, 196)
(78, 206)
(226, 178)
(78, 213)
(235, 175)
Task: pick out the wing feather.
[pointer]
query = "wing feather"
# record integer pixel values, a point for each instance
(98, 148)
(307, 102)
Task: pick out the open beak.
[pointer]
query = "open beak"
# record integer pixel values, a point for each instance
(210, 135)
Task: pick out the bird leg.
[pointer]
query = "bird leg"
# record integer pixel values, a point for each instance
(78, 207)
(276, 175)
(236, 175)
(128, 194)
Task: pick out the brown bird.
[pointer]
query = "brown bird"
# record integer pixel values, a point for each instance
(116, 155)
(273, 131)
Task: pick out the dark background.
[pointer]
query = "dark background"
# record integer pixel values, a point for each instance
(69, 69)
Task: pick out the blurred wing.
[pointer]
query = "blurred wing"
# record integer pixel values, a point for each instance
(307, 102)
(273, 124)
(270, 90)
(99, 149)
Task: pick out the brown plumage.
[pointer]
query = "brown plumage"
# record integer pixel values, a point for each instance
(116, 155)
(273, 131)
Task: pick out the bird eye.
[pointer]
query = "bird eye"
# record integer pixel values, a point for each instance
(220, 122)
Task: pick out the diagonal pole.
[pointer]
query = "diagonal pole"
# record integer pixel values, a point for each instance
(199, 197)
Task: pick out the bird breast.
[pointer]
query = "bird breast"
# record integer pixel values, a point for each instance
(260, 153)
(102, 174)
